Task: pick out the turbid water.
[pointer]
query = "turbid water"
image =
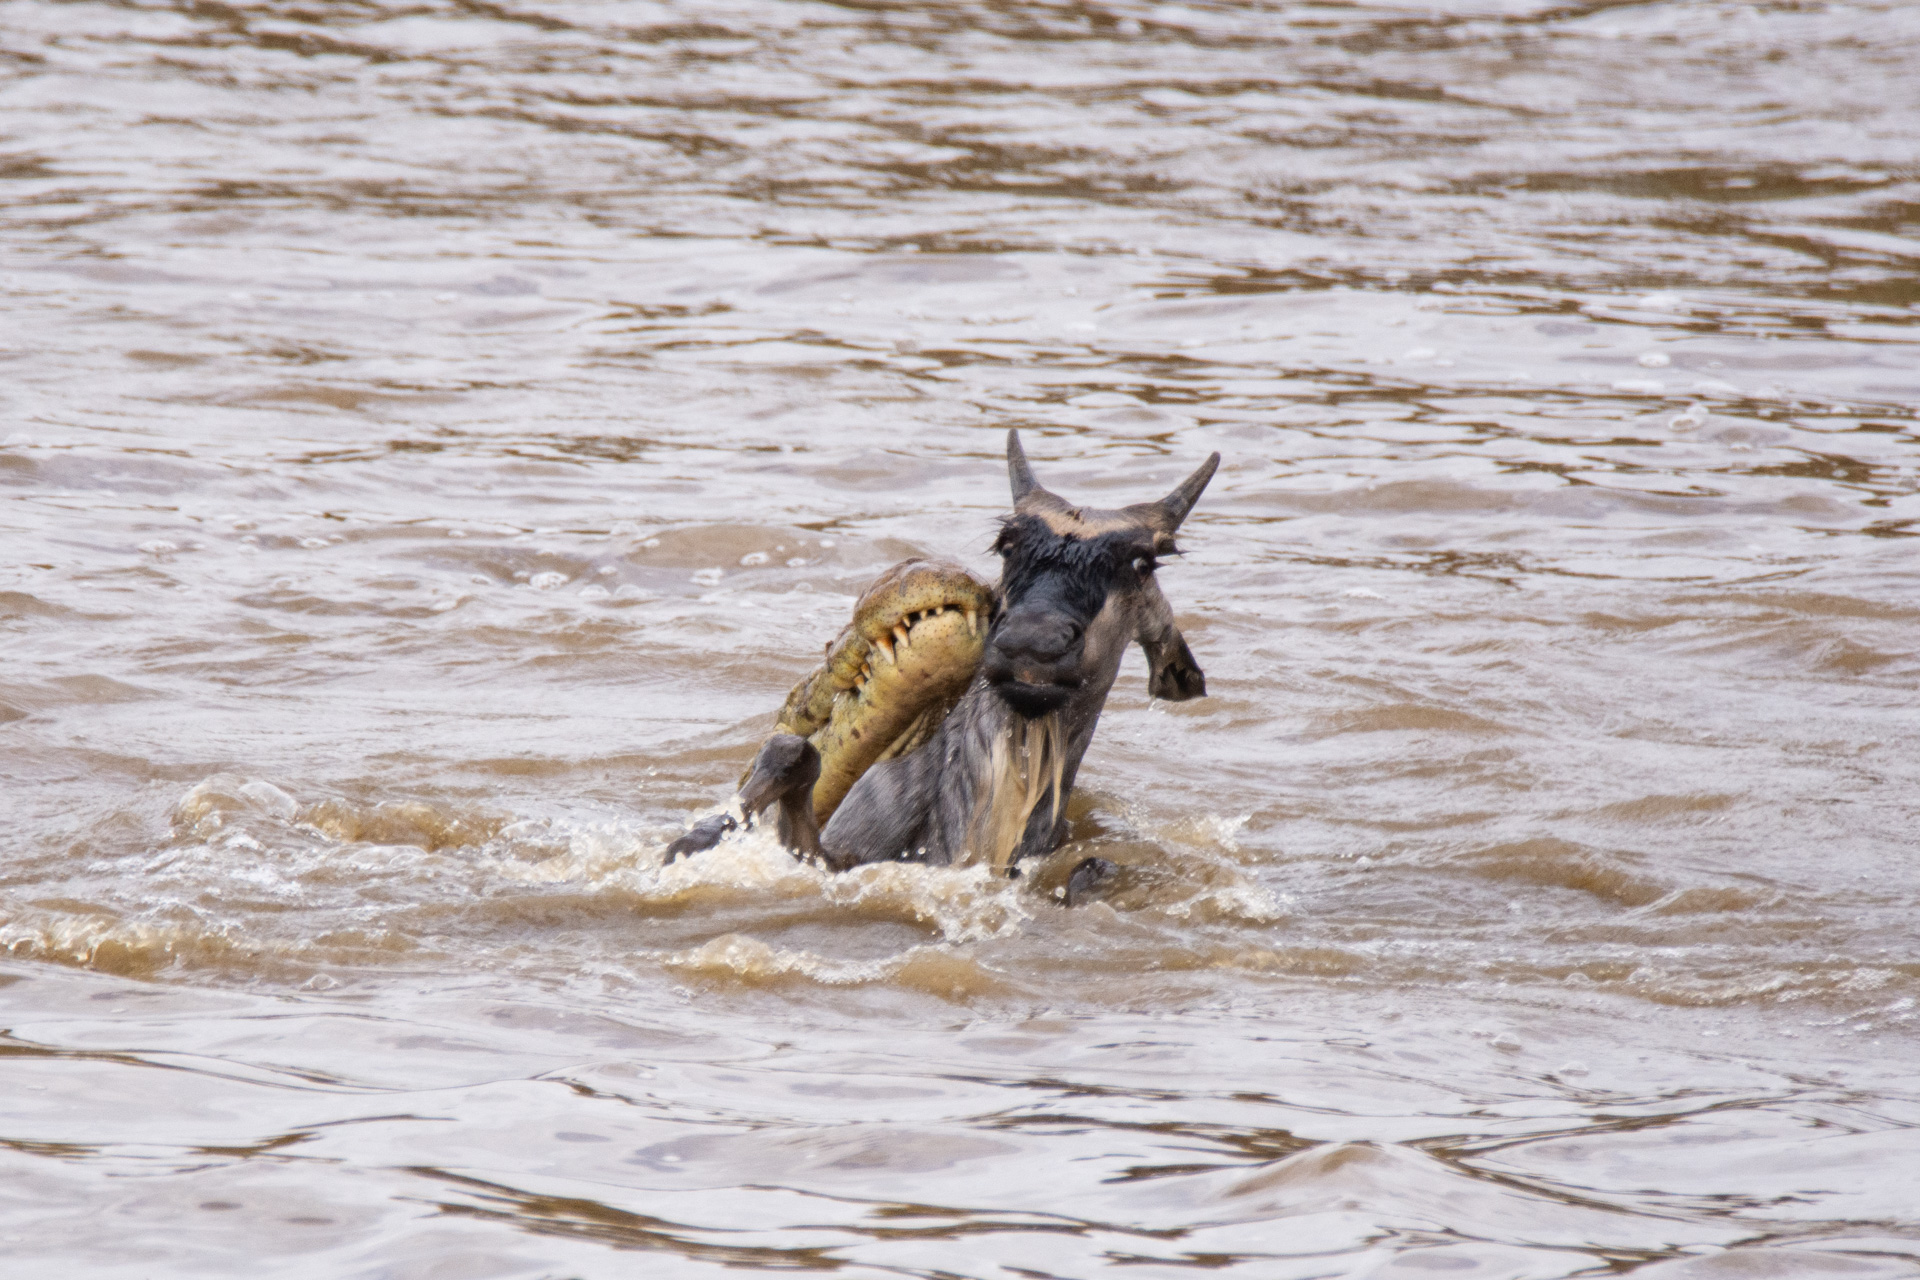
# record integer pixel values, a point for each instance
(437, 433)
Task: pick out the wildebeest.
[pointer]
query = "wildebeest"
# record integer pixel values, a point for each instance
(920, 739)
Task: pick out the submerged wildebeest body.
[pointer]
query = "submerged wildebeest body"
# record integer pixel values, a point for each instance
(977, 746)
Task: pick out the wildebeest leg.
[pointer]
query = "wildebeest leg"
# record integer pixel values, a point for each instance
(1087, 877)
(783, 774)
(705, 834)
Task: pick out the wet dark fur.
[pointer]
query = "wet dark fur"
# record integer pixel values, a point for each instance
(1080, 572)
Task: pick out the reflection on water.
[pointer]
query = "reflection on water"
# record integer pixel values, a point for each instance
(436, 435)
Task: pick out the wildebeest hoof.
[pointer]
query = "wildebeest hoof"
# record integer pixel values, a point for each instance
(1087, 877)
(705, 834)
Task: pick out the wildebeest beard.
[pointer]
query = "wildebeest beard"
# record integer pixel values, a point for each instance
(922, 739)
(1028, 765)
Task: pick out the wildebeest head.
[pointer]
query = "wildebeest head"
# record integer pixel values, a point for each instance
(1077, 585)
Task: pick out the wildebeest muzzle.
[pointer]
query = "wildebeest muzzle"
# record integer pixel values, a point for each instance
(1035, 656)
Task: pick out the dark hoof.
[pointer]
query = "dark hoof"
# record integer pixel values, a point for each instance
(706, 833)
(1087, 877)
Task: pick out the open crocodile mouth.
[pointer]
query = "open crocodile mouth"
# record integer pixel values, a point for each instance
(892, 675)
(900, 636)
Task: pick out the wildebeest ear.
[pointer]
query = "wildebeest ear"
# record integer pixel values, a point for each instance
(1172, 674)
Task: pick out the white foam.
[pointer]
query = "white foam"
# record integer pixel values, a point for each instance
(967, 904)
(1246, 902)
(964, 904)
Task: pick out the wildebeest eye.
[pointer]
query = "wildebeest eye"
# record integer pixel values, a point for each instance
(1144, 565)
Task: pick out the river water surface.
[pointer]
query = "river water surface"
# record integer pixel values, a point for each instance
(437, 433)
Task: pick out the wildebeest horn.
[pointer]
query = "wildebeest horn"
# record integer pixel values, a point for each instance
(1187, 492)
(1017, 469)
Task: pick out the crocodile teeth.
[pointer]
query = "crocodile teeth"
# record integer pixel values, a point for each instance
(900, 634)
(973, 623)
(884, 648)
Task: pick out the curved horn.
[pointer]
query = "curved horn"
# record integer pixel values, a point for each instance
(1018, 471)
(1178, 503)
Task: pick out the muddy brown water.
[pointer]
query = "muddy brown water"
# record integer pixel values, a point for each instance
(436, 434)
